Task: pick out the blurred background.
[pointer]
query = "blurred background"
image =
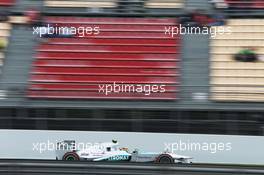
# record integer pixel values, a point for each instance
(213, 85)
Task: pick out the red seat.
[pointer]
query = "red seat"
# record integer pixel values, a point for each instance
(245, 4)
(258, 4)
(7, 2)
(106, 64)
(95, 95)
(114, 21)
(114, 41)
(106, 56)
(114, 27)
(65, 91)
(140, 35)
(81, 87)
(102, 71)
(111, 49)
(134, 51)
(102, 79)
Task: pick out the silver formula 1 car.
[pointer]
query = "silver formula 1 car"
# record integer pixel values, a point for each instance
(110, 151)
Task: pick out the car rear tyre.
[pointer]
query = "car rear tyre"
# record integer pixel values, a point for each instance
(164, 159)
(71, 156)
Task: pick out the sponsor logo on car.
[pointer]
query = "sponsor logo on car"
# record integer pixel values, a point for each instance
(118, 157)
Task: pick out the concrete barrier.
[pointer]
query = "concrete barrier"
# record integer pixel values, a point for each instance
(36, 144)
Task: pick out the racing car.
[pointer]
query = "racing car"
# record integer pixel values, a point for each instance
(110, 151)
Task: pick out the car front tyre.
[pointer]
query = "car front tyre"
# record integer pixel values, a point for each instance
(164, 159)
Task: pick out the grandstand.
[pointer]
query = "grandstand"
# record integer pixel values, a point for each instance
(52, 82)
(130, 51)
(232, 80)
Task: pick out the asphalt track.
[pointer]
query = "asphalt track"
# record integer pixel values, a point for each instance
(34, 167)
